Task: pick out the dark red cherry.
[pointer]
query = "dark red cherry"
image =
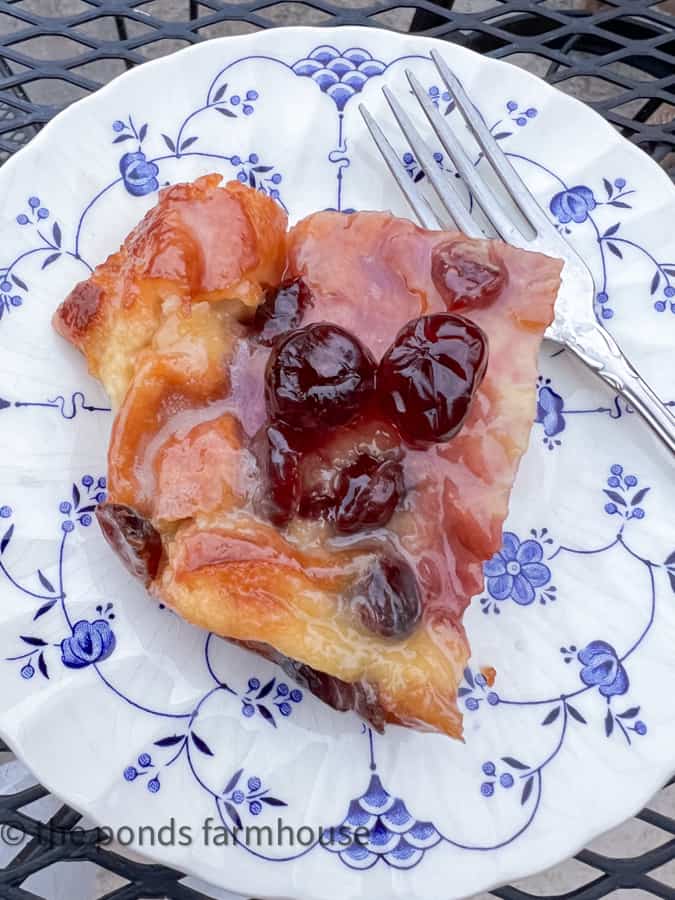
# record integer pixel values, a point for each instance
(317, 501)
(465, 275)
(318, 377)
(427, 378)
(281, 311)
(367, 493)
(387, 599)
(133, 537)
(280, 484)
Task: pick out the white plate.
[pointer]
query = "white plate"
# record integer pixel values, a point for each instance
(118, 706)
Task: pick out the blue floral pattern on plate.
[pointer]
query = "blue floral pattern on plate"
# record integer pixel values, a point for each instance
(60, 637)
(517, 570)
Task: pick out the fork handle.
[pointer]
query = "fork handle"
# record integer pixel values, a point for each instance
(599, 351)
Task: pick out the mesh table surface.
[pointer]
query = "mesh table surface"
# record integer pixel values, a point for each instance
(617, 55)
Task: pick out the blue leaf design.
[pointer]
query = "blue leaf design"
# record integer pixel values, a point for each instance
(42, 665)
(123, 137)
(552, 716)
(170, 741)
(668, 271)
(614, 249)
(527, 790)
(188, 142)
(576, 714)
(44, 609)
(617, 498)
(420, 175)
(22, 284)
(232, 813)
(463, 691)
(76, 496)
(86, 509)
(56, 234)
(201, 745)
(45, 582)
(232, 783)
(620, 204)
(629, 713)
(272, 801)
(262, 168)
(502, 135)
(143, 132)
(608, 187)
(265, 689)
(169, 143)
(656, 280)
(639, 496)
(225, 112)
(33, 641)
(266, 714)
(514, 763)
(612, 230)
(468, 677)
(251, 180)
(220, 93)
(50, 259)
(609, 723)
(7, 537)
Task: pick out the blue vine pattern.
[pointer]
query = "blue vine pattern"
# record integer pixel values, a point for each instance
(68, 407)
(520, 574)
(552, 412)
(48, 239)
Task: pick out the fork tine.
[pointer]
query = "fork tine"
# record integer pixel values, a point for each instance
(464, 165)
(514, 184)
(417, 202)
(450, 198)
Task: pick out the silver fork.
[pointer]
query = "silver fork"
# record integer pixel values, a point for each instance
(575, 325)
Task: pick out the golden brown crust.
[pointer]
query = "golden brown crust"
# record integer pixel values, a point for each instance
(200, 242)
(187, 378)
(247, 582)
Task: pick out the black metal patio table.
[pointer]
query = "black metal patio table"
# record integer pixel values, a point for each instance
(617, 55)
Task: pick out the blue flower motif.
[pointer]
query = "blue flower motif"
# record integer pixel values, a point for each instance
(139, 175)
(90, 642)
(573, 204)
(339, 74)
(549, 411)
(602, 669)
(516, 570)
